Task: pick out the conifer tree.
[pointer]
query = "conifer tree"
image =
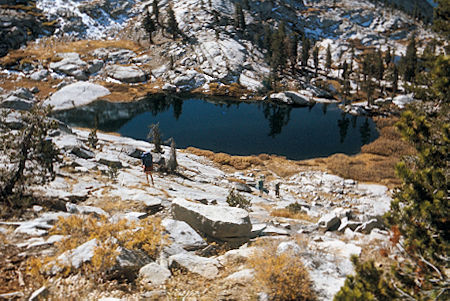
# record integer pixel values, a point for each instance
(30, 154)
(441, 20)
(306, 47)
(172, 22)
(155, 10)
(379, 68)
(316, 58)
(239, 18)
(410, 61)
(387, 56)
(267, 41)
(328, 58)
(394, 79)
(292, 50)
(246, 4)
(149, 26)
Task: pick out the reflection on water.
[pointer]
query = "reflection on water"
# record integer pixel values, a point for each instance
(233, 127)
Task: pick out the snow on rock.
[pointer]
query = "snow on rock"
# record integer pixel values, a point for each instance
(402, 100)
(75, 95)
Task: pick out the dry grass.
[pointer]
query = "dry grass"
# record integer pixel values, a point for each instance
(282, 276)
(377, 160)
(233, 90)
(45, 87)
(276, 164)
(237, 162)
(46, 49)
(129, 93)
(146, 235)
(286, 213)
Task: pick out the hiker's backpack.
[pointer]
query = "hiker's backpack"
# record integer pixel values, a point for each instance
(147, 159)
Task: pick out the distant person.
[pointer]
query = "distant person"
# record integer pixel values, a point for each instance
(261, 185)
(277, 189)
(147, 164)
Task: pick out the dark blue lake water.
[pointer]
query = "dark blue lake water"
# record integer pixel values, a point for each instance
(235, 128)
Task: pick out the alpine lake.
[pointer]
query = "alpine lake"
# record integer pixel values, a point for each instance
(230, 126)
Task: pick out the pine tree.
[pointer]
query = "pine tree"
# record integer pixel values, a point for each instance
(410, 61)
(172, 22)
(440, 76)
(441, 20)
(368, 284)
(379, 68)
(155, 10)
(316, 58)
(328, 58)
(387, 56)
(246, 4)
(420, 209)
(155, 136)
(306, 47)
(29, 152)
(239, 18)
(394, 79)
(292, 50)
(149, 26)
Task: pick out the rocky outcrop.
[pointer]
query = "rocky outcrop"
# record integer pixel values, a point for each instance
(291, 98)
(75, 95)
(20, 22)
(219, 222)
(126, 74)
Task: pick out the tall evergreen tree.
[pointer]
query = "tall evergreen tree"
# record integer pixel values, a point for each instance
(441, 20)
(292, 50)
(149, 26)
(239, 18)
(316, 58)
(410, 61)
(387, 56)
(172, 23)
(328, 61)
(306, 47)
(379, 67)
(394, 79)
(155, 9)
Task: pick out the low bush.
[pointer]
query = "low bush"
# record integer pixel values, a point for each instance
(145, 235)
(283, 276)
(235, 199)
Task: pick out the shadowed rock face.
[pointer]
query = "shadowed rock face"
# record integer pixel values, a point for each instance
(20, 22)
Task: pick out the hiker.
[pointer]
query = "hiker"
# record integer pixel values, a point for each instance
(147, 164)
(261, 185)
(277, 189)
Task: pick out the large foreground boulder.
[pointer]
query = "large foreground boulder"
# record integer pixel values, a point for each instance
(75, 95)
(219, 222)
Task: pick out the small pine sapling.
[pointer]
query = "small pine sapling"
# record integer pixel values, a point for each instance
(155, 136)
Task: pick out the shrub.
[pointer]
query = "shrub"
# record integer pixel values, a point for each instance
(29, 154)
(367, 285)
(235, 199)
(145, 235)
(283, 275)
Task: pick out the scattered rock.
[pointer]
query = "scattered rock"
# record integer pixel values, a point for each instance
(39, 75)
(288, 246)
(82, 152)
(75, 95)
(330, 222)
(220, 222)
(70, 63)
(242, 276)
(242, 187)
(154, 274)
(126, 74)
(181, 233)
(368, 226)
(77, 209)
(205, 267)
